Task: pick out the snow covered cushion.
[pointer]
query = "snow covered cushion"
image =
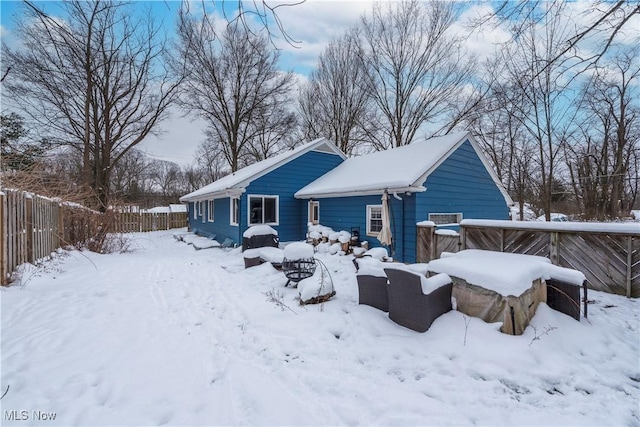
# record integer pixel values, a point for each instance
(298, 250)
(432, 283)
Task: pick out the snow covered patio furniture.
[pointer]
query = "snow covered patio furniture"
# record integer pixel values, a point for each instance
(259, 236)
(372, 283)
(565, 297)
(415, 301)
(372, 290)
(257, 256)
(298, 263)
(501, 287)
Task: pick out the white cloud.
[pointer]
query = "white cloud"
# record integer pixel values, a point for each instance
(179, 140)
(313, 24)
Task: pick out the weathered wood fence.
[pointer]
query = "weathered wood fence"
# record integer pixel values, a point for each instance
(129, 222)
(607, 254)
(32, 227)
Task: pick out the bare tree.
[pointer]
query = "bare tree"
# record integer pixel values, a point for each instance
(417, 66)
(505, 142)
(232, 80)
(130, 180)
(193, 178)
(542, 98)
(94, 81)
(275, 129)
(211, 160)
(602, 165)
(336, 101)
(605, 23)
(263, 13)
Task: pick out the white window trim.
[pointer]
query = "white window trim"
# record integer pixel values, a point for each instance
(310, 211)
(369, 209)
(232, 203)
(271, 196)
(211, 210)
(195, 210)
(201, 210)
(458, 215)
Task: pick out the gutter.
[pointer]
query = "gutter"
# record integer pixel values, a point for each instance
(233, 192)
(374, 192)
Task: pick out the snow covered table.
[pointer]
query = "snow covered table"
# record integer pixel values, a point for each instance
(257, 256)
(497, 286)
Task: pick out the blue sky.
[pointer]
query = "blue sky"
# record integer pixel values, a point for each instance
(312, 24)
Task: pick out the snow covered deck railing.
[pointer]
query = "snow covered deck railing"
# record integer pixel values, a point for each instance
(607, 254)
(632, 228)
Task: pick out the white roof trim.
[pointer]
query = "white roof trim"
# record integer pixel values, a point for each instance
(411, 189)
(489, 169)
(235, 188)
(419, 182)
(481, 156)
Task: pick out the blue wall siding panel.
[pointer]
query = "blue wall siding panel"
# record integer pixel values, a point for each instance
(220, 227)
(284, 182)
(409, 228)
(461, 184)
(343, 213)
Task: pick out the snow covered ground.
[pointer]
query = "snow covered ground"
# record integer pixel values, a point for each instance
(167, 335)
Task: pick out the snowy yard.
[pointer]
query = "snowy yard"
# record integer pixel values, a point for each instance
(167, 335)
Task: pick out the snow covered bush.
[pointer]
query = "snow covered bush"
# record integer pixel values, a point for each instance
(317, 288)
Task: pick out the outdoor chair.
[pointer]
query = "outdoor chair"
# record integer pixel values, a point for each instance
(372, 290)
(565, 297)
(409, 306)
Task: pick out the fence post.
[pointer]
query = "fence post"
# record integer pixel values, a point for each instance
(61, 236)
(463, 238)
(425, 244)
(29, 229)
(4, 250)
(629, 261)
(554, 248)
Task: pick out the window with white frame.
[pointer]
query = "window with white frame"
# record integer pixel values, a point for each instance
(195, 210)
(201, 209)
(445, 218)
(263, 210)
(314, 212)
(210, 211)
(374, 220)
(234, 213)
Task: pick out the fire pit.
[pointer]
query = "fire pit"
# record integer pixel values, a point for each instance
(298, 262)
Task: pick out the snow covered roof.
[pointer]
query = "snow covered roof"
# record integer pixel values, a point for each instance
(399, 169)
(235, 183)
(172, 208)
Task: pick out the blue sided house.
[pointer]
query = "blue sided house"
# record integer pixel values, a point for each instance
(443, 179)
(262, 193)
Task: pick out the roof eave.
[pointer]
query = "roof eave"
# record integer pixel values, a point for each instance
(230, 192)
(318, 142)
(370, 192)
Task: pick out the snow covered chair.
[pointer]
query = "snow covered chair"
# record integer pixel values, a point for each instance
(372, 290)
(565, 297)
(372, 283)
(415, 301)
(259, 236)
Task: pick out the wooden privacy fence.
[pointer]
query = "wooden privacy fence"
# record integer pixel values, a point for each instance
(432, 242)
(29, 230)
(32, 227)
(607, 254)
(129, 222)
